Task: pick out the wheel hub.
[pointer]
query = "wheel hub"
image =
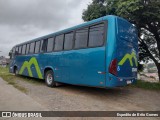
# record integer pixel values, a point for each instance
(49, 78)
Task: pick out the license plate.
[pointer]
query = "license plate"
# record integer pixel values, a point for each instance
(134, 69)
(129, 82)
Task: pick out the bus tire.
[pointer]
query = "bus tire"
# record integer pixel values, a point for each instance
(15, 71)
(49, 79)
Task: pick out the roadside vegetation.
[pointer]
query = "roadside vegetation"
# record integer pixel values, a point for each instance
(147, 85)
(13, 80)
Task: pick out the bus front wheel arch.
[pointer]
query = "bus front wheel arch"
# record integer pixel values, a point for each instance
(49, 78)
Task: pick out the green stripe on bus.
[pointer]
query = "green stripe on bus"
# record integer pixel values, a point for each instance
(129, 56)
(27, 65)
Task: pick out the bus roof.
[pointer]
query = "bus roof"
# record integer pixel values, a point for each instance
(68, 29)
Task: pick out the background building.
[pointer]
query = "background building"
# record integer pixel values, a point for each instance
(4, 61)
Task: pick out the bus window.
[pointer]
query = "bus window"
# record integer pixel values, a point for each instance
(41, 50)
(96, 35)
(24, 50)
(27, 49)
(81, 38)
(13, 51)
(43, 45)
(19, 50)
(50, 44)
(32, 47)
(68, 41)
(37, 46)
(16, 52)
(59, 43)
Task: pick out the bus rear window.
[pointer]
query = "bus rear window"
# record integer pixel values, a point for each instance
(126, 31)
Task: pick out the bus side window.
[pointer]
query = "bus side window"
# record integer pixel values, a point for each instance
(20, 50)
(59, 43)
(68, 41)
(27, 49)
(24, 50)
(13, 51)
(96, 35)
(43, 46)
(31, 51)
(16, 52)
(81, 38)
(37, 46)
(50, 44)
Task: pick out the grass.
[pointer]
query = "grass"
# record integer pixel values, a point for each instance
(147, 85)
(13, 80)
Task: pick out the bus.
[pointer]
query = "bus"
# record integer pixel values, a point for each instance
(99, 53)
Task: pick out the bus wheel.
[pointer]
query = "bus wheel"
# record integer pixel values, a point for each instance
(15, 71)
(49, 79)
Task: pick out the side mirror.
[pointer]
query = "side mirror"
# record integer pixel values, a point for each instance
(10, 55)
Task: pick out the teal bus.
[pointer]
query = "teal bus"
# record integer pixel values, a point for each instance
(99, 53)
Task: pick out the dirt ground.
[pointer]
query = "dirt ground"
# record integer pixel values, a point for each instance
(79, 98)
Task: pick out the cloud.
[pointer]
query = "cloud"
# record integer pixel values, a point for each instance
(22, 20)
(40, 13)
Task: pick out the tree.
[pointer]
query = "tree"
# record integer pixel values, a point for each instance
(145, 14)
(95, 10)
(140, 67)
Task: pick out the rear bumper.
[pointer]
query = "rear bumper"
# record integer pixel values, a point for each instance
(114, 81)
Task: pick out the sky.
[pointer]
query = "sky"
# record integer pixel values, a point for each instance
(23, 20)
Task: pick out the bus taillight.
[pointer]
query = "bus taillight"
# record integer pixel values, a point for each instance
(113, 67)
